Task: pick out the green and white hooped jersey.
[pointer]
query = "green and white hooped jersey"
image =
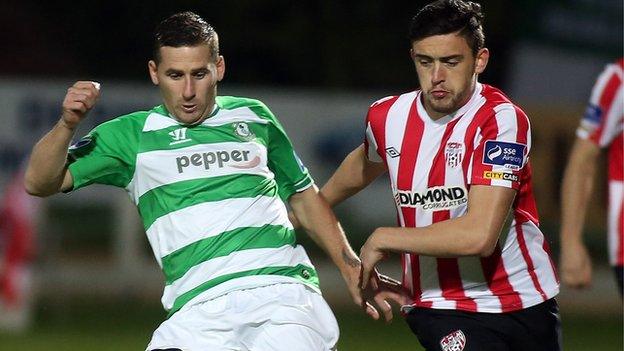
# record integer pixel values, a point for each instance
(211, 196)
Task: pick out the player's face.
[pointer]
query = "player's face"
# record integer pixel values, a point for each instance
(187, 77)
(447, 71)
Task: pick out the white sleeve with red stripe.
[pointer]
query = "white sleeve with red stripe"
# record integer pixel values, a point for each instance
(374, 119)
(503, 148)
(370, 145)
(602, 120)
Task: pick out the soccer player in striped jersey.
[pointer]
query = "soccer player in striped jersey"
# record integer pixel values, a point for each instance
(601, 128)
(210, 176)
(475, 264)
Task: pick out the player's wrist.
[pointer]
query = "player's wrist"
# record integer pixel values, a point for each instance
(376, 240)
(67, 125)
(571, 241)
(349, 262)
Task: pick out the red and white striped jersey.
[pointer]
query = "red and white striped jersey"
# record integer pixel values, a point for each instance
(602, 124)
(432, 164)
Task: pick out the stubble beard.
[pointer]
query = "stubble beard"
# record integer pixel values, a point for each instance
(444, 106)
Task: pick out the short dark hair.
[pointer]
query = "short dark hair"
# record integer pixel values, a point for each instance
(449, 16)
(184, 29)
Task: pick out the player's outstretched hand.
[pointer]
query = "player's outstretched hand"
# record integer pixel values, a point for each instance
(352, 275)
(576, 267)
(79, 100)
(380, 292)
(370, 255)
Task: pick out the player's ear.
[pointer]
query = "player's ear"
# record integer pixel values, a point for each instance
(153, 71)
(220, 68)
(482, 60)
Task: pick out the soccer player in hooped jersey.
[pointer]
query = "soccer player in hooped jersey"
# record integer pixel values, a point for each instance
(209, 175)
(475, 264)
(601, 127)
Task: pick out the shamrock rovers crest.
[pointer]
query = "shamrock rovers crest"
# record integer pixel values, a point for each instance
(242, 130)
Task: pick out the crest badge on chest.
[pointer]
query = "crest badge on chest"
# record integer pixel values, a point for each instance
(242, 130)
(454, 153)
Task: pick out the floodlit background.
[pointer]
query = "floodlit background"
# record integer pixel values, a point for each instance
(93, 283)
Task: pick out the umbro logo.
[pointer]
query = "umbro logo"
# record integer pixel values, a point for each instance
(392, 152)
(178, 136)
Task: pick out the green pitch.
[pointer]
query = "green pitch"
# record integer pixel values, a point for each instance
(120, 327)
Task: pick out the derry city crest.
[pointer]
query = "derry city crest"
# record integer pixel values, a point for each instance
(454, 153)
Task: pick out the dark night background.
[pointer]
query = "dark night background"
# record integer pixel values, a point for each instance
(323, 44)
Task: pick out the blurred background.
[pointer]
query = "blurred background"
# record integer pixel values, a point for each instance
(83, 276)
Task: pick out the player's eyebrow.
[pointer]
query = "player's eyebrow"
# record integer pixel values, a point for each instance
(193, 71)
(443, 59)
(173, 71)
(199, 70)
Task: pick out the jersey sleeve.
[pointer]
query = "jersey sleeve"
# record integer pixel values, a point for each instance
(502, 151)
(291, 175)
(106, 155)
(602, 120)
(370, 144)
(375, 134)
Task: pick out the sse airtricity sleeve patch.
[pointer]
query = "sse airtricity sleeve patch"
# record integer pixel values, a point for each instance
(506, 154)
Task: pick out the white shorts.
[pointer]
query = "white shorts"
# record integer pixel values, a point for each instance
(277, 317)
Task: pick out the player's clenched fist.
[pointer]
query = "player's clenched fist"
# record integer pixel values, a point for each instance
(79, 100)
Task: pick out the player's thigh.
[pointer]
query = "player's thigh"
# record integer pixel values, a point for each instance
(300, 320)
(205, 326)
(289, 337)
(453, 331)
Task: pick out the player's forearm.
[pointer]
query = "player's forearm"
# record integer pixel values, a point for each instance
(354, 174)
(457, 237)
(329, 235)
(321, 224)
(46, 167)
(475, 233)
(576, 189)
(332, 239)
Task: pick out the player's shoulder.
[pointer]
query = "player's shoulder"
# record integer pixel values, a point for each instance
(387, 101)
(494, 96)
(613, 70)
(379, 108)
(616, 67)
(498, 104)
(242, 105)
(234, 102)
(125, 123)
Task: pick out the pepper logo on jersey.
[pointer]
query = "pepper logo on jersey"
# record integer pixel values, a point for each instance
(501, 153)
(217, 159)
(433, 199)
(178, 136)
(454, 153)
(455, 341)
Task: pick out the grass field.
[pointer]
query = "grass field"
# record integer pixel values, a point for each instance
(128, 326)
